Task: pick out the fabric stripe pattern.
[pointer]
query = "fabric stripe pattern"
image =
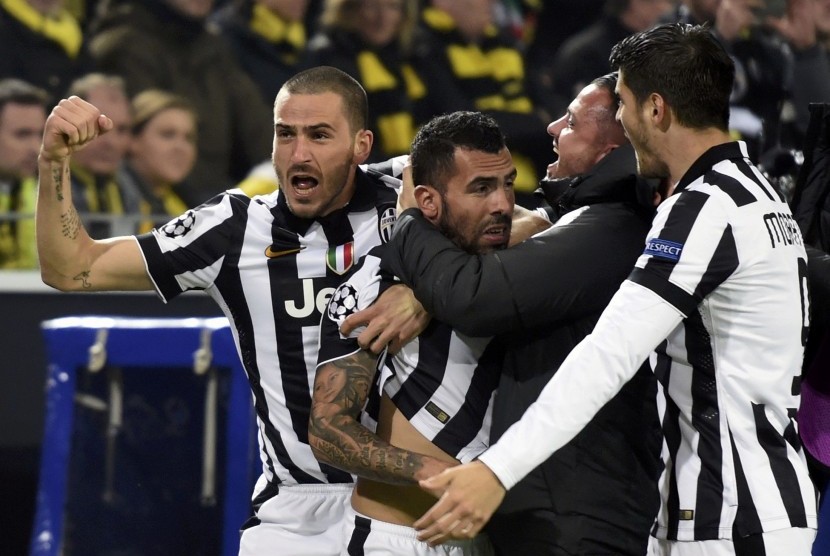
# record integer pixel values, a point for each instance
(270, 273)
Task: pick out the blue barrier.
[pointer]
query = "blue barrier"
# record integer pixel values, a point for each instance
(84, 343)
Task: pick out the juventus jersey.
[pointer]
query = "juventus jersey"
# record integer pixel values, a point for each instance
(443, 381)
(272, 274)
(720, 292)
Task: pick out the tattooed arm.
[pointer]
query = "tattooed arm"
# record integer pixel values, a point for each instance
(336, 436)
(69, 258)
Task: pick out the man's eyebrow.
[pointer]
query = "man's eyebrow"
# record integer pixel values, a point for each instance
(317, 127)
(489, 180)
(312, 127)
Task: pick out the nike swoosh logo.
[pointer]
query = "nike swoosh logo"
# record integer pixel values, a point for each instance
(274, 254)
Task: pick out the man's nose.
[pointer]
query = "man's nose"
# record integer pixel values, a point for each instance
(301, 151)
(555, 127)
(502, 200)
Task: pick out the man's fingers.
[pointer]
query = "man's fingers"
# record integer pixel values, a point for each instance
(352, 322)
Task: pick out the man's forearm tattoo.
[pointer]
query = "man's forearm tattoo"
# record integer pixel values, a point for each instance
(338, 437)
(70, 223)
(58, 179)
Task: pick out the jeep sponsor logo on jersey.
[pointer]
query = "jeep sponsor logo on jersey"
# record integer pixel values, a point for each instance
(664, 249)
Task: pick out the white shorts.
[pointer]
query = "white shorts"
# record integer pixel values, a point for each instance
(783, 542)
(301, 520)
(364, 536)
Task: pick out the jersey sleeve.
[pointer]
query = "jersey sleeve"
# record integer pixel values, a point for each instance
(632, 325)
(188, 252)
(690, 250)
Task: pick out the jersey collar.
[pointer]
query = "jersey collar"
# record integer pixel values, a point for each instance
(726, 151)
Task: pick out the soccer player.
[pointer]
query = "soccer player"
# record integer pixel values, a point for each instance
(435, 395)
(717, 301)
(270, 263)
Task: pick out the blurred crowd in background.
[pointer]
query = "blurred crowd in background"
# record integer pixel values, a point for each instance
(189, 85)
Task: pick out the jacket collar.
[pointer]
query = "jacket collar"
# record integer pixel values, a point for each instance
(612, 179)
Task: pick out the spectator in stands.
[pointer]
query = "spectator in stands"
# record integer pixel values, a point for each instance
(779, 67)
(165, 44)
(467, 64)
(22, 115)
(162, 153)
(555, 21)
(268, 38)
(371, 40)
(41, 43)
(98, 196)
(585, 55)
(822, 15)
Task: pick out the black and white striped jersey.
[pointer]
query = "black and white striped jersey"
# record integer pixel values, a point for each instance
(443, 381)
(720, 295)
(272, 274)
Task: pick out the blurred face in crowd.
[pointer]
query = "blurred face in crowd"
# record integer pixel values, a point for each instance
(292, 10)
(164, 152)
(196, 9)
(822, 13)
(703, 10)
(471, 16)
(104, 154)
(316, 152)
(631, 116)
(643, 14)
(47, 6)
(585, 134)
(381, 21)
(476, 208)
(21, 130)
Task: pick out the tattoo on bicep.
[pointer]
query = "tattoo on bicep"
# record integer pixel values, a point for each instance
(83, 277)
(70, 223)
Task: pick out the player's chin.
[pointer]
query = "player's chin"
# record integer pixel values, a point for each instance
(304, 208)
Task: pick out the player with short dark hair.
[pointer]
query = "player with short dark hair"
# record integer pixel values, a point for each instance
(270, 263)
(435, 395)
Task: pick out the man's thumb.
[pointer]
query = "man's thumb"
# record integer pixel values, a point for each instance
(104, 123)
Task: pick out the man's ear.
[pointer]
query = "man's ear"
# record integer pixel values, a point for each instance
(429, 201)
(363, 145)
(607, 148)
(659, 111)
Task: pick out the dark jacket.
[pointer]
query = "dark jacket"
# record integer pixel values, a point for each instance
(38, 59)
(584, 56)
(489, 76)
(768, 74)
(152, 46)
(544, 296)
(811, 209)
(395, 93)
(268, 62)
